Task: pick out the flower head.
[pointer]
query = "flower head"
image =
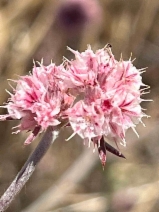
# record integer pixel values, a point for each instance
(94, 93)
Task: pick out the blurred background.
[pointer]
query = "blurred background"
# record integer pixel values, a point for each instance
(70, 177)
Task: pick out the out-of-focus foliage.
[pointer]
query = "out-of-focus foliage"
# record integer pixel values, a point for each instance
(36, 29)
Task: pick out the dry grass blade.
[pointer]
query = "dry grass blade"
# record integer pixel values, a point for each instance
(93, 204)
(67, 183)
(143, 24)
(147, 196)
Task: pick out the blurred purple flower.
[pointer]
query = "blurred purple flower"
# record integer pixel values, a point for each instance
(73, 15)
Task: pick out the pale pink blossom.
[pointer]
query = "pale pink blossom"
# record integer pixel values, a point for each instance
(86, 120)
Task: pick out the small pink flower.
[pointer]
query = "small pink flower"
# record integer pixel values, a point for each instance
(37, 101)
(86, 68)
(86, 120)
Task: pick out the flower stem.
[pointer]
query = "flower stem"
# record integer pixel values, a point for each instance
(28, 168)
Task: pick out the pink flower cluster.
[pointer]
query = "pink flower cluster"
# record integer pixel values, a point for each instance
(96, 94)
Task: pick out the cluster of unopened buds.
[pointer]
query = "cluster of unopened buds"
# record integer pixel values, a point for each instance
(98, 96)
